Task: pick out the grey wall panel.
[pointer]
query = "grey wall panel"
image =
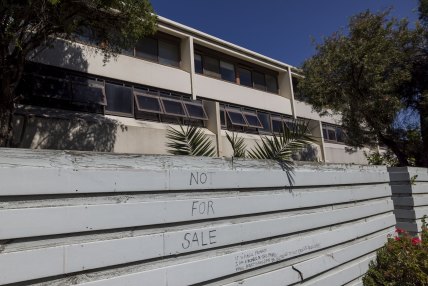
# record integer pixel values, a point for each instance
(109, 219)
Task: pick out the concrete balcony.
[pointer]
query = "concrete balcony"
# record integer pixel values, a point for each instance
(221, 90)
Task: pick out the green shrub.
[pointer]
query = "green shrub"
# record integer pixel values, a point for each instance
(402, 261)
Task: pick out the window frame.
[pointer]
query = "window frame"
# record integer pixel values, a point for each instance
(132, 100)
(195, 103)
(238, 111)
(91, 85)
(185, 115)
(165, 38)
(253, 113)
(204, 52)
(147, 94)
(334, 128)
(238, 75)
(279, 119)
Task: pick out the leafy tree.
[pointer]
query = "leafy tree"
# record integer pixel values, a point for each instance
(190, 141)
(27, 27)
(361, 75)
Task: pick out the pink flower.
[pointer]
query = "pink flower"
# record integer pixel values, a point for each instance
(397, 238)
(416, 240)
(399, 230)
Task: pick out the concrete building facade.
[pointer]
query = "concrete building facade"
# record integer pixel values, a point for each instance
(72, 99)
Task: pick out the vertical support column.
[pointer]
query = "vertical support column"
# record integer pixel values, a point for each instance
(321, 136)
(188, 61)
(292, 94)
(213, 111)
(286, 89)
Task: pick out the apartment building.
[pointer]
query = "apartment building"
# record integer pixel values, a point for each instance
(72, 99)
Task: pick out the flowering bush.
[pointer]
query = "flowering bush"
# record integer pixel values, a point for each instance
(402, 261)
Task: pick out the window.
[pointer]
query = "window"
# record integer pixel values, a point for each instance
(49, 87)
(119, 99)
(245, 77)
(324, 133)
(271, 83)
(277, 124)
(215, 64)
(198, 64)
(289, 122)
(169, 53)
(195, 110)
(265, 121)
(296, 91)
(163, 51)
(147, 102)
(173, 107)
(252, 119)
(222, 118)
(147, 48)
(259, 80)
(333, 133)
(227, 71)
(211, 66)
(340, 135)
(236, 117)
(88, 91)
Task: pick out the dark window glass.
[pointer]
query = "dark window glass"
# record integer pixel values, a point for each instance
(265, 121)
(169, 53)
(196, 111)
(148, 103)
(340, 135)
(89, 91)
(253, 120)
(119, 98)
(245, 77)
(173, 107)
(277, 125)
(271, 83)
(211, 66)
(259, 81)
(147, 48)
(236, 117)
(227, 71)
(198, 64)
(331, 134)
(50, 87)
(324, 133)
(297, 94)
(291, 125)
(223, 118)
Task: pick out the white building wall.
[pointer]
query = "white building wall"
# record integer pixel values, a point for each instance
(220, 90)
(81, 58)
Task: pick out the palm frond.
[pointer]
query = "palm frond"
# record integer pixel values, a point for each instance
(238, 145)
(281, 147)
(190, 141)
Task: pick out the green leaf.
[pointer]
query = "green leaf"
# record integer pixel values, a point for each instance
(190, 141)
(281, 147)
(238, 145)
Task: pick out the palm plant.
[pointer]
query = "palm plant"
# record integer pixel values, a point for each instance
(238, 145)
(281, 147)
(190, 141)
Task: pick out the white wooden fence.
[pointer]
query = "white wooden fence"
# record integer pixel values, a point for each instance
(71, 218)
(410, 195)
